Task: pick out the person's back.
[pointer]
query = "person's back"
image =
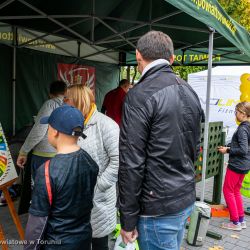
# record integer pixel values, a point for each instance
(171, 109)
(73, 177)
(64, 186)
(159, 142)
(37, 140)
(114, 99)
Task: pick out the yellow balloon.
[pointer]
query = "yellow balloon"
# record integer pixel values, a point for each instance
(244, 97)
(245, 78)
(245, 87)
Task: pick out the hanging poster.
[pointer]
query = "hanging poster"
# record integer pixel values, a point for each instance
(7, 168)
(76, 74)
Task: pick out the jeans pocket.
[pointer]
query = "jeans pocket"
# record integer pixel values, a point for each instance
(165, 234)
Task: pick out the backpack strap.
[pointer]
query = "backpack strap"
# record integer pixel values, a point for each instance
(47, 181)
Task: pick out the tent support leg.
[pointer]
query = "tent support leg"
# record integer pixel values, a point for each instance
(206, 127)
(14, 82)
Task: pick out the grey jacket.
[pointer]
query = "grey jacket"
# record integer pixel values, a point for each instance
(37, 138)
(102, 145)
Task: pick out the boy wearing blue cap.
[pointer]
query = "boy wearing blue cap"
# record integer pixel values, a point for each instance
(59, 216)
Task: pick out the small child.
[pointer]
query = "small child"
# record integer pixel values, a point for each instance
(238, 166)
(59, 216)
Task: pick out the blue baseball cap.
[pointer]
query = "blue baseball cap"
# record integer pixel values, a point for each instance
(66, 119)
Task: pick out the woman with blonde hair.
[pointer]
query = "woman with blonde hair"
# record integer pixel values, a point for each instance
(101, 144)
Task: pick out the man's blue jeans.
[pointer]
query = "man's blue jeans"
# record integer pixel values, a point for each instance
(163, 232)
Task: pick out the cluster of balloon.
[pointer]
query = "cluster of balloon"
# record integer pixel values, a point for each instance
(244, 89)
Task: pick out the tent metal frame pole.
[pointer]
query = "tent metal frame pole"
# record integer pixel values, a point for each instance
(119, 40)
(6, 3)
(206, 125)
(116, 32)
(14, 81)
(57, 46)
(42, 17)
(53, 32)
(179, 27)
(198, 44)
(140, 25)
(150, 14)
(55, 21)
(104, 51)
(93, 22)
(78, 49)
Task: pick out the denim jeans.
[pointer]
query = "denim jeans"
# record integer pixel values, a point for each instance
(163, 232)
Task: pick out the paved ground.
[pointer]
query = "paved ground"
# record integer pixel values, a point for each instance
(241, 242)
(227, 242)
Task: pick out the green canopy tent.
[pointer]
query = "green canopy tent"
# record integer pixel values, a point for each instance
(116, 25)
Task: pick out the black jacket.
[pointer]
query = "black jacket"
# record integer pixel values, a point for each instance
(239, 153)
(159, 142)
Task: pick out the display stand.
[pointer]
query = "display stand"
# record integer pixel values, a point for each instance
(13, 213)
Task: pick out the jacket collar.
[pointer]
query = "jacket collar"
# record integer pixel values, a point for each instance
(155, 69)
(245, 123)
(154, 63)
(92, 120)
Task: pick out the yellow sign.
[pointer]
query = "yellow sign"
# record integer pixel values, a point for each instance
(8, 36)
(213, 10)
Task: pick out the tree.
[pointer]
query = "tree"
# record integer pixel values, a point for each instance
(239, 10)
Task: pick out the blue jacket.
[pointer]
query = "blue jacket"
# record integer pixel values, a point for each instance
(239, 153)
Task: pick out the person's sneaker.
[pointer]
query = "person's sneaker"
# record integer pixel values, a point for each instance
(244, 224)
(232, 226)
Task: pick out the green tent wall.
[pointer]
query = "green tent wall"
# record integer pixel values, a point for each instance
(5, 87)
(35, 71)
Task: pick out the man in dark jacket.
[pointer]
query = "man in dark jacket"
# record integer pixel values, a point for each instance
(159, 143)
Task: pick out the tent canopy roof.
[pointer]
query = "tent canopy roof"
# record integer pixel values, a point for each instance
(117, 24)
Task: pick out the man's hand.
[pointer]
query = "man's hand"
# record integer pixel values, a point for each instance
(21, 161)
(222, 150)
(129, 236)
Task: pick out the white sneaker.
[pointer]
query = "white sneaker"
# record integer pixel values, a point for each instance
(232, 226)
(244, 224)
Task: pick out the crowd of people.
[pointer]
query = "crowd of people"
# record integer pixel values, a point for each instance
(136, 156)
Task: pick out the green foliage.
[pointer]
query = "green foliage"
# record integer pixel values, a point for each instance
(239, 10)
(183, 71)
(133, 72)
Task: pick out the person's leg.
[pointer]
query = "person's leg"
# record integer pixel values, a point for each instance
(238, 197)
(100, 243)
(147, 235)
(229, 195)
(163, 232)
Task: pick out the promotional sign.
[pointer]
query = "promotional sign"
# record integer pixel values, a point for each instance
(7, 168)
(77, 74)
(225, 93)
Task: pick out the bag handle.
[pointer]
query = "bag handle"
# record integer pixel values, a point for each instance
(47, 181)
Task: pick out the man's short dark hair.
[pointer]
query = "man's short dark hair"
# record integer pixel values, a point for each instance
(155, 45)
(57, 88)
(123, 82)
